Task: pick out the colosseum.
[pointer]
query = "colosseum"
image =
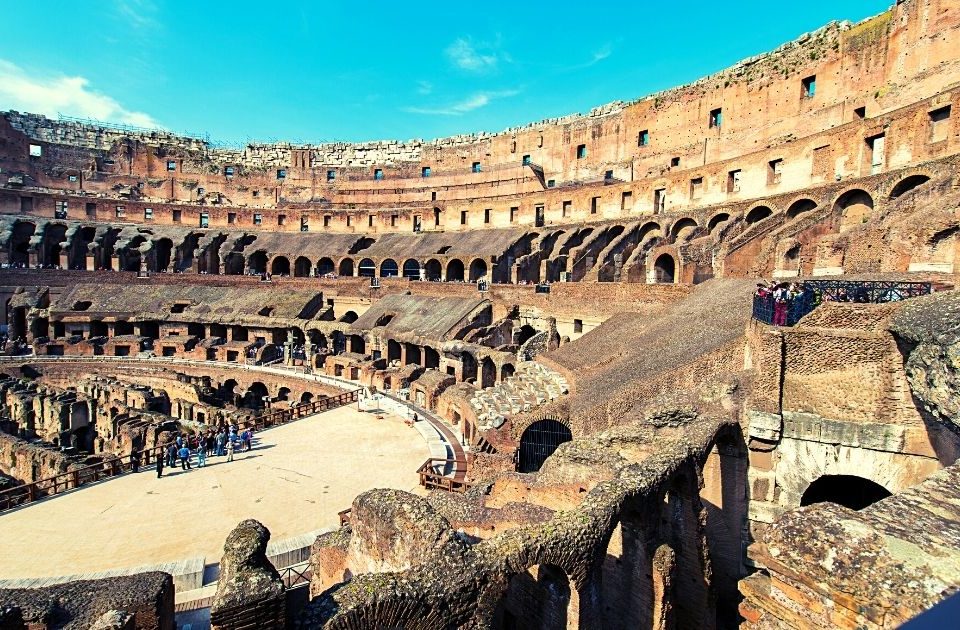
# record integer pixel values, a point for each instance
(688, 361)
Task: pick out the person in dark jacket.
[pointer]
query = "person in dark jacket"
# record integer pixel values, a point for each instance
(135, 461)
(159, 465)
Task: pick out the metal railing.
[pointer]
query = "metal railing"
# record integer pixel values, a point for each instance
(114, 466)
(433, 480)
(296, 575)
(814, 292)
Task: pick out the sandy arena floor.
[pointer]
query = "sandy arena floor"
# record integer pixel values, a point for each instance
(294, 481)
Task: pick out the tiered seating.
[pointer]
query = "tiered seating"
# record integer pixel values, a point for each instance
(533, 384)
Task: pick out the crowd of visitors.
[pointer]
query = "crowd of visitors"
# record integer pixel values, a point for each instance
(223, 443)
(782, 295)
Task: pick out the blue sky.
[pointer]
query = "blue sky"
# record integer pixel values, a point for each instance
(326, 71)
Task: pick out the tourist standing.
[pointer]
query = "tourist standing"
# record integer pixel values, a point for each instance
(171, 455)
(780, 299)
(185, 457)
(135, 461)
(221, 442)
(229, 450)
(159, 465)
(202, 453)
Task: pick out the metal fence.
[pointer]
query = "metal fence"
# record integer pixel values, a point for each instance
(815, 292)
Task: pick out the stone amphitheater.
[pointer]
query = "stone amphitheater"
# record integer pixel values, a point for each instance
(522, 379)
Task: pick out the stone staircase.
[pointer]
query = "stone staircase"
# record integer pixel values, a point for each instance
(530, 386)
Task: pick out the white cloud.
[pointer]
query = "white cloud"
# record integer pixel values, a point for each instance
(464, 54)
(137, 13)
(468, 104)
(52, 95)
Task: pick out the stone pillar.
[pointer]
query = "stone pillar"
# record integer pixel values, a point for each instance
(91, 262)
(250, 592)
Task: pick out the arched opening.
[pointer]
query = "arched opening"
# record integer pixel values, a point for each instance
(507, 371)
(280, 266)
(367, 268)
(683, 228)
(455, 271)
(20, 243)
(664, 269)
(258, 262)
(305, 398)
(758, 214)
(411, 269)
(908, 184)
(800, 206)
(525, 333)
(849, 491)
(539, 441)
(53, 236)
(357, 344)
(255, 396)
(478, 269)
(283, 394)
(325, 266)
(716, 220)
(346, 267)
(432, 270)
(413, 354)
(302, 267)
(488, 373)
(431, 358)
(541, 597)
(162, 253)
(854, 207)
(393, 351)
(233, 264)
(791, 258)
(388, 269)
(349, 317)
(469, 367)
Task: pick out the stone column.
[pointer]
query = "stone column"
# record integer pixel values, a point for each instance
(250, 591)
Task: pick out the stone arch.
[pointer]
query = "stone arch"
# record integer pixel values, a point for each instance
(542, 597)
(683, 228)
(394, 351)
(506, 371)
(302, 267)
(478, 269)
(850, 491)
(324, 266)
(163, 254)
(234, 264)
(367, 268)
(800, 206)
(757, 214)
(488, 373)
(665, 269)
(854, 207)
(23, 231)
(907, 184)
(280, 266)
(349, 317)
(539, 441)
(433, 270)
(283, 394)
(411, 269)
(253, 397)
(469, 367)
(455, 270)
(716, 220)
(346, 267)
(257, 263)
(306, 397)
(388, 269)
(53, 235)
(431, 358)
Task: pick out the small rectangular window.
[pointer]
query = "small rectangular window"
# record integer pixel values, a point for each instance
(486, 215)
(231, 218)
(148, 214)
(425, 171)
(809, 86)
(608, 175)
(716, 118)
(171, 165)
(594, 204)
(281, 219)
(281, 173)
(204, 219)
(860, 112)
(463, 217)
(91, 210)
(256, 194)
(774, 171)
(121, 212)
(331, 175)
(35, 150)
(349, 220)
(433, 195)
(326, 220)
(177, 216)
(369, 220)
(674, 162)
(61, 210)
(393, 220)
(73, 178)
(565, 210)
(940, 124)
(228, 171)
(526, 160)
(643, 138)
(378, 174)
(581, 151)
(305, 223)
(578, 325)
(551, 183)
(514, 211)
(626, 201)
(257, 218)
(733, 181)
(475, 167)
(696, 187)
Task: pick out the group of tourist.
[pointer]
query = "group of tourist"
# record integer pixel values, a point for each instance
(783, 294)
(223, 443)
